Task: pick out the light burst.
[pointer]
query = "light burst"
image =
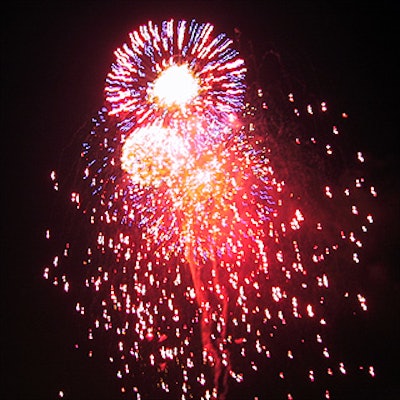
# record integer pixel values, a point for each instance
(202, 260)
(175, 86)
(210, 72)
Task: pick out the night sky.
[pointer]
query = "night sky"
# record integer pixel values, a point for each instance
(54, 61)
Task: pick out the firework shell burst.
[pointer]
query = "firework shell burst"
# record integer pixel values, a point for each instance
(205, 263)
(217, 74)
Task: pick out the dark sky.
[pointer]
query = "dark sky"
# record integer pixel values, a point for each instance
(54, 60)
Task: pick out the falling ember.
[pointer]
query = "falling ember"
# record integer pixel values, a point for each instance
(204, 258)
(360, 157)
(342, 368)
(363, 302)
(53, 177)
(371, 371)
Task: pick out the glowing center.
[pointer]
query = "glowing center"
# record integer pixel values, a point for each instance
(176, 86)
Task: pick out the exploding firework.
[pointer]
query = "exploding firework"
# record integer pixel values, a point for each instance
(179, 74)
(205, 257)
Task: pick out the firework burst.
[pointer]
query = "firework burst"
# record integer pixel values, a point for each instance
(203, 260)
(178, 73)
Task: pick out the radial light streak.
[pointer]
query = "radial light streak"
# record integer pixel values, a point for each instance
(199, 254)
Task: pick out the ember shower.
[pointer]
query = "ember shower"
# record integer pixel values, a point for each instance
(202, 261)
